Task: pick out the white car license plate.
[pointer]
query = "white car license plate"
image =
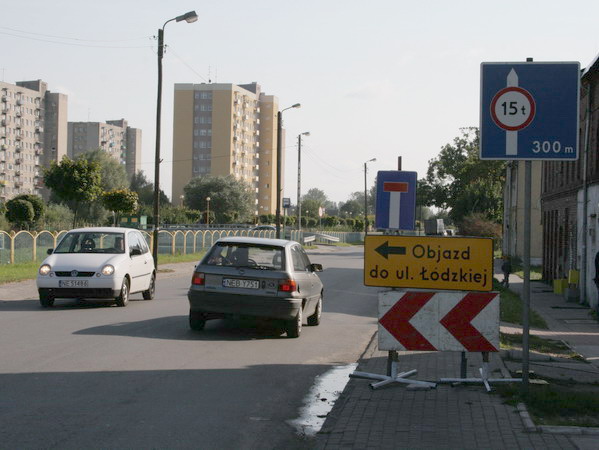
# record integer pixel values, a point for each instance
(237, 283)
(72, 283)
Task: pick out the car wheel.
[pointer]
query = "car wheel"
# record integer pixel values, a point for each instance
(314, 319)
(46, 300)
(123, 297)
(294, 326)
(149, 294)
(197, 321)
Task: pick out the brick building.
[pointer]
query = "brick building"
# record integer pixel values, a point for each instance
(570, 199)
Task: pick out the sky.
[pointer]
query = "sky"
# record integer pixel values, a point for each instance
(378, 79)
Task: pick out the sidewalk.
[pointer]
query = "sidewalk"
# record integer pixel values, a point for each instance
(466, 416)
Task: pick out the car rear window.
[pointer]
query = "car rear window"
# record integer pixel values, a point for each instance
(245, 255)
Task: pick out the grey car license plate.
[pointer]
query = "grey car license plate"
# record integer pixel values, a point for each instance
(239, 283)
(72, 283)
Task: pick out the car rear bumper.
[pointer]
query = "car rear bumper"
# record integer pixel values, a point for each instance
(245, 305)
(79, 292)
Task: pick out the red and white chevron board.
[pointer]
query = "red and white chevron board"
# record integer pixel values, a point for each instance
(439, 321)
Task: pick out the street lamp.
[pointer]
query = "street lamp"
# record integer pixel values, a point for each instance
(366, 197)
(207, 212)
(299, 179)
(279, 152)
(189, 17)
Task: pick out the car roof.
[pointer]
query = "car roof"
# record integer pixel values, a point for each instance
(102, 230)
(258, 241)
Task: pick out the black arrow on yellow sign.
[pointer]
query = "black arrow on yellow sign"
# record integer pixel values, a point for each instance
(386, 250)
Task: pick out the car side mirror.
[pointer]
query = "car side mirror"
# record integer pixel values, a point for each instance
(316, 267)
(135, 252)
(49, 251)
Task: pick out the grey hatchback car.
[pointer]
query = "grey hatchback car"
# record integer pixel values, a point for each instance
(256, 277)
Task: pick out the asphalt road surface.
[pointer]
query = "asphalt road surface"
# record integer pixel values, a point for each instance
(91, 375)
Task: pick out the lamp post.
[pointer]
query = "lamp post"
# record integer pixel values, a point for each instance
(279, 152)
(189, 17)
(299, 179)
(366, 196)
(207, 212)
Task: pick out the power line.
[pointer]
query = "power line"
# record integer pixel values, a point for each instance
(71, 43)
(185, 62)
(75, 39)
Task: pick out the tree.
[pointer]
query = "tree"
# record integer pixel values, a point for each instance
(112, 172)
(20, 213)
(310, 207)
(120, 201)
(38, 205)
(316, 195)
(458, 180)
(352, 208)
(145, 190)
(230, 199)
(74, 181)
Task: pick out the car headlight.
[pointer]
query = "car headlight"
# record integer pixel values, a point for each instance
(45, 269)
(107, 269)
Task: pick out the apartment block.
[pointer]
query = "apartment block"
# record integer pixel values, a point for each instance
(115, 137)
(33, 133)
(223, 129)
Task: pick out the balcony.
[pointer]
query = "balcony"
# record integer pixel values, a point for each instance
(19, 101)
(18, 149)
(39, 129)
(18, 161)
(38, 152)
(4, 98)
(5, 122)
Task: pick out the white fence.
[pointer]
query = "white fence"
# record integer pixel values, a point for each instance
(25, 246)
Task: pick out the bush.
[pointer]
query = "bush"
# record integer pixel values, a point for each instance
(58, 217)
(477, 225)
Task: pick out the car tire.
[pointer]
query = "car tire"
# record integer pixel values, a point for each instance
(197, 321)
(149, 294)
(46, 301)
(314, 319)
(123, 297)
(294, 326)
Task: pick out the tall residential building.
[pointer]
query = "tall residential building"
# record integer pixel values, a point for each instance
(222, 129)
(33, 133)
(115, 137)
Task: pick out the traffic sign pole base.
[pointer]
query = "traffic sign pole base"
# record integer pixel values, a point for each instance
(395, 377)
(484, 379)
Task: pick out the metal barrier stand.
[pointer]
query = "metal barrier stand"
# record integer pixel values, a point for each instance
(393, 377)
(484, 376)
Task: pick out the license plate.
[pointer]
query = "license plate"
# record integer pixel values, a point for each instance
(238, 283)
(73, 283)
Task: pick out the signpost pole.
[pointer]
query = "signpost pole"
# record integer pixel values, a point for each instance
(526, 264)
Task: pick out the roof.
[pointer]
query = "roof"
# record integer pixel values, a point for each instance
(593, 67)
(260, 241)
(102, 230)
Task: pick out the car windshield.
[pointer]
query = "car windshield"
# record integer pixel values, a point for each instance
(91, 242)
(266, 257)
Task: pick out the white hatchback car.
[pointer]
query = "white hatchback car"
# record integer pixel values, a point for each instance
(98, 263)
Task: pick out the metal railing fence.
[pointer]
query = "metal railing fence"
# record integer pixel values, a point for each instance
(28, 246)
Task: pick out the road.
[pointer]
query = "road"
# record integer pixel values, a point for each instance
(98, 376)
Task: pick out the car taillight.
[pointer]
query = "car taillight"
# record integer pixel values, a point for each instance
(197, 279)
(287, 286)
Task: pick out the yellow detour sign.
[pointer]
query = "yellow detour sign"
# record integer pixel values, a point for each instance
(429, 262)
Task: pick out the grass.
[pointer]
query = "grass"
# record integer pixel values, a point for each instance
(536, 272)
(538, 344)
(558, 403)
(511, 308)
(28, 271)
(18, 272)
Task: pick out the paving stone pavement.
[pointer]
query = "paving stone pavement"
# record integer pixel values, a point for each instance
(461, 417)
